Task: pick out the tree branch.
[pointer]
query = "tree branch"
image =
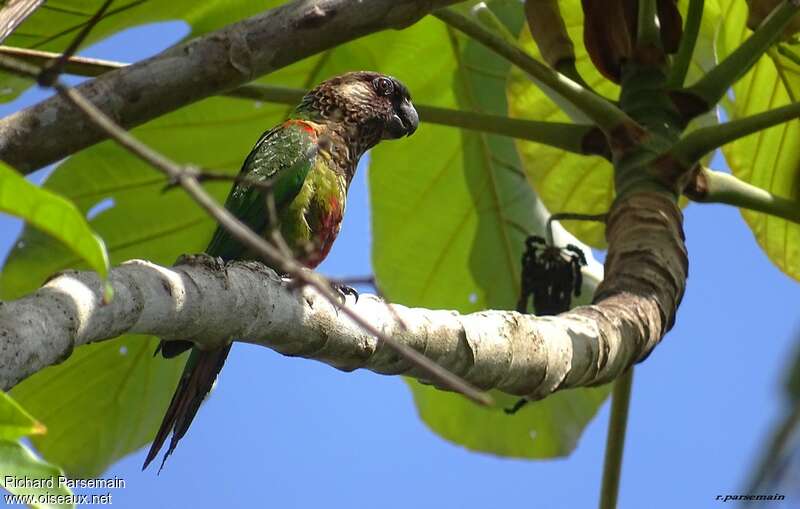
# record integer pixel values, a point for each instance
(196, 69)
(577, 138)
(710, 186)
(519, 354)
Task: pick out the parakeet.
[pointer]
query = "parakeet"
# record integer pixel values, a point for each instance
(310, 160)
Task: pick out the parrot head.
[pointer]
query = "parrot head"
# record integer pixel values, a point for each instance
(369, 105)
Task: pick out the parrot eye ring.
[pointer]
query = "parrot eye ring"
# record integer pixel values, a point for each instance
(383, 86)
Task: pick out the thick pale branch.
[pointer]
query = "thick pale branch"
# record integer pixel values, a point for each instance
(199, 68)
(519, 354)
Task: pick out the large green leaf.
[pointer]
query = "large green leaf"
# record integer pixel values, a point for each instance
(52, 214)
(19, 465)
(451, 211)
(769, 159)
(569, 182)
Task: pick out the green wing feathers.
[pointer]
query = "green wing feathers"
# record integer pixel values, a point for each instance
(282, 156)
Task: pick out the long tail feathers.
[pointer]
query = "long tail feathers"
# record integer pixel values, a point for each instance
(198, 377)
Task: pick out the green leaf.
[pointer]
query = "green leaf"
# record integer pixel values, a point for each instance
(570, 182)
(15, 422)
(451, 211)
(19, 463)
(768, 159)
(52, 214)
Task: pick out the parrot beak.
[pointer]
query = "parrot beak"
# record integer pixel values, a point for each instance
(404, 121)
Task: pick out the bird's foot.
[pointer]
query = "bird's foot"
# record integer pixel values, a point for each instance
(206, 260)
(344, 291)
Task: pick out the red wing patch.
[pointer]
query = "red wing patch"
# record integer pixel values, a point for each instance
(302, 124)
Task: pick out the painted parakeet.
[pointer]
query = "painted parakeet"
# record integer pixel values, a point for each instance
(310, 160)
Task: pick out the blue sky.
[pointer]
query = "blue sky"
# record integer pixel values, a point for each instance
(281, 432)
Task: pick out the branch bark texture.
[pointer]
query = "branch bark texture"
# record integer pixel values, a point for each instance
(519, 354)
(199, 68)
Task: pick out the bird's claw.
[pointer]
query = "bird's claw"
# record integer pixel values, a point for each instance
(344, 291)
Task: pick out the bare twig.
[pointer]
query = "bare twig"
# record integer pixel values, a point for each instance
(202, 175)
(574, 216)
(272, 255)
(50, 73)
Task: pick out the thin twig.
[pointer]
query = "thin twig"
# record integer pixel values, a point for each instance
(570, 216)
(202, 175)
(50, 73)
(245, 235)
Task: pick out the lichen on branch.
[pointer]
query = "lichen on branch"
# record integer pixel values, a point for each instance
(519, 354)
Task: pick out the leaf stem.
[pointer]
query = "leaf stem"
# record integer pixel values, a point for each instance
(691, 31)
(615, 441)
(710, 186)
(603, 113)
(648, 32)
(711, 87)
(696, 144)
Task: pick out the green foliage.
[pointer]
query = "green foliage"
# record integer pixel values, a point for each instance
(18, 461)
(569, 182)
(450, 211)
(462, 207)
(768, 159)
(52, 214)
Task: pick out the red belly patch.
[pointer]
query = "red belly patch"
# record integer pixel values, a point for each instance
(328, 223)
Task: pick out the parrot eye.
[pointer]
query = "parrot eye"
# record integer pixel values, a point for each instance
(383, 86)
